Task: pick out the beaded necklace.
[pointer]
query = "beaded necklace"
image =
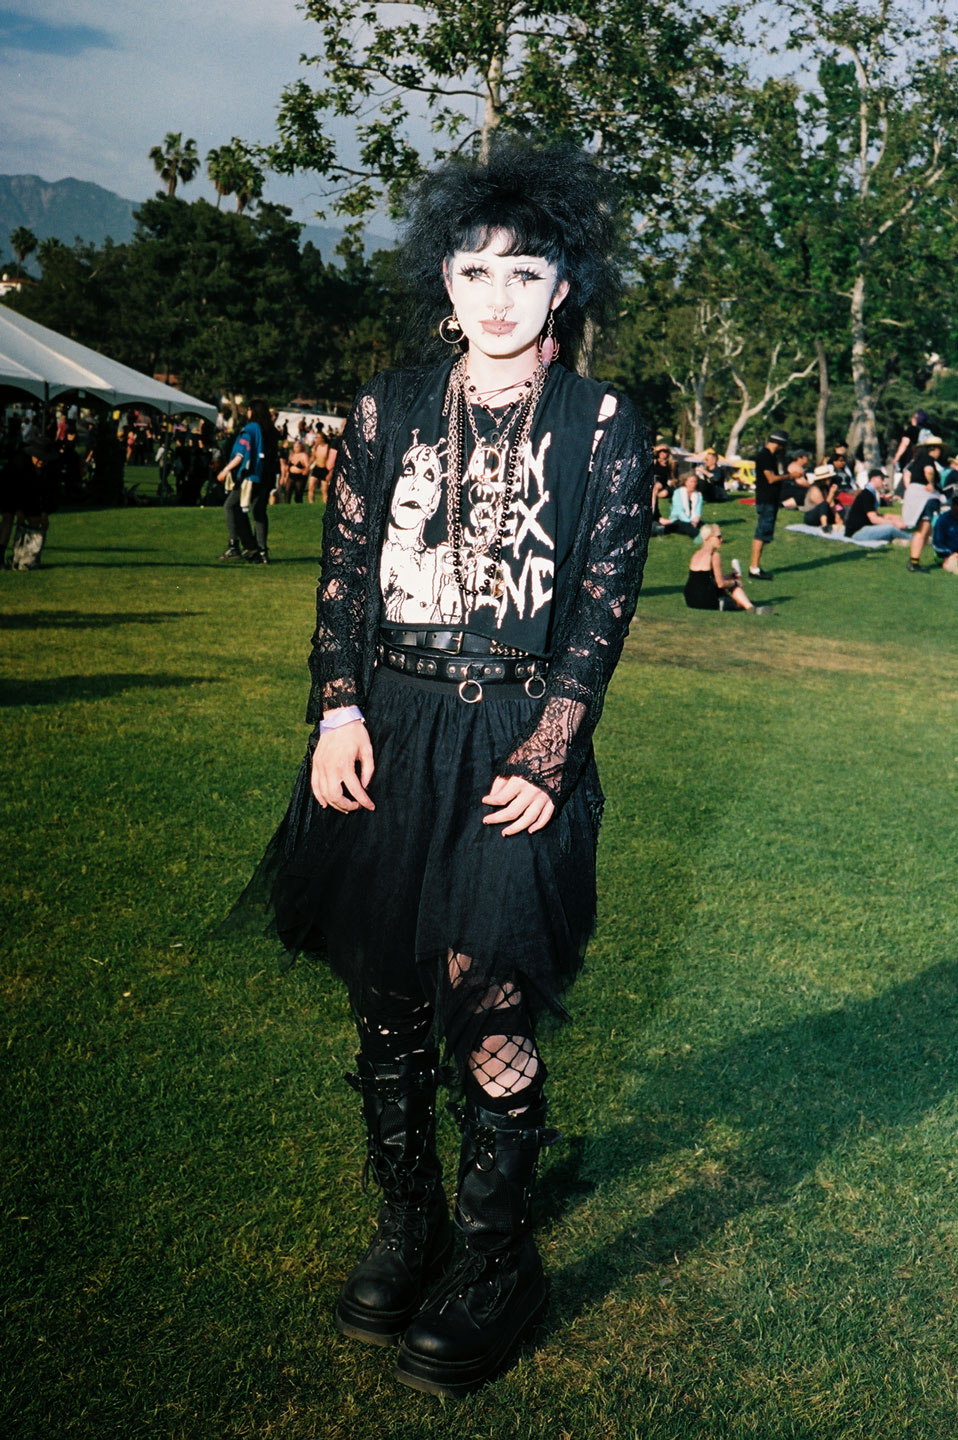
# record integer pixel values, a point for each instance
(517, 424)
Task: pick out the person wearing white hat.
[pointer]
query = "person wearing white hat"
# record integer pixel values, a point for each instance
(818, 507)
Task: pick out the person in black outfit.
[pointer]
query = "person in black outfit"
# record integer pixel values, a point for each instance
(711, 477)
(663, 482)
(769, 468)
(483, 548)
(909, 441)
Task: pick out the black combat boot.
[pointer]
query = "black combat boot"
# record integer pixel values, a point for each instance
(474, 1320)
(413, 1241)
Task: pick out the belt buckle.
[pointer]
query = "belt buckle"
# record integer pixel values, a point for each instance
(463, 686)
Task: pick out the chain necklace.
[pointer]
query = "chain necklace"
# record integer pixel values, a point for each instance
(488, 579)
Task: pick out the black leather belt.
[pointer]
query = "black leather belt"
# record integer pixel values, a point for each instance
(469, 674)
(450, 642)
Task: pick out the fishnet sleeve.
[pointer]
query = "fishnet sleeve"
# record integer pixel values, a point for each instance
(595, 622)
(335, 662)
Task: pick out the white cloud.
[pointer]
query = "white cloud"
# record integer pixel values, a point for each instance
(208, 68)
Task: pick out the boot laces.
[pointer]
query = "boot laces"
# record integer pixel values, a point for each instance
(472, 1266)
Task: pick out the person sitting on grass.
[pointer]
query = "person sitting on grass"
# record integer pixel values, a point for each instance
(663, 479)
(818, 506)
(863, 519)
(685, 517)
(708, 587)
(796, 482)
(944, 536)
(711, 477)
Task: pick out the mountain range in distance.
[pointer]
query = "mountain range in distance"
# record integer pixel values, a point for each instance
(69, 210)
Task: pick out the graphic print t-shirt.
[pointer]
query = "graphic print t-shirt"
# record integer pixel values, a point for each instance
(417, 576)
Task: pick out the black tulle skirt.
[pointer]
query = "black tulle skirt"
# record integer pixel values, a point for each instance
(386, 897)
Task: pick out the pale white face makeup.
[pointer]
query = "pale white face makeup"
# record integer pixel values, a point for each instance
(502, 301)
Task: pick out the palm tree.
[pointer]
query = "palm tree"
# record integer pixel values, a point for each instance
(249, 176)
(175, 161)
(233, 170)
(24, 242)
(221, 170)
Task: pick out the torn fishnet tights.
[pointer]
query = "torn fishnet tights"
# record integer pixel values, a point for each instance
(503, 1061)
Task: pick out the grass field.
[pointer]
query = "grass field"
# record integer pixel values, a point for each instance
(751, 1229)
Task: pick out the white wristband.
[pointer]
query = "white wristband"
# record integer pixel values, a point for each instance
(345, 716)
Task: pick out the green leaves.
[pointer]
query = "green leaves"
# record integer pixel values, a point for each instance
(647, 84)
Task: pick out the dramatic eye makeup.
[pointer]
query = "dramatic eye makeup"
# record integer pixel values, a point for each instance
(522, 273)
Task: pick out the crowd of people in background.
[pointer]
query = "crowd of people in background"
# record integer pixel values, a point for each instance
(248, 470)
(74, 456)
(835, 496)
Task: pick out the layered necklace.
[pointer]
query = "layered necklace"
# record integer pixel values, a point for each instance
(511, 433)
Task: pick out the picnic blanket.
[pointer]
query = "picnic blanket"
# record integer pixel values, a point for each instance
(820, 534)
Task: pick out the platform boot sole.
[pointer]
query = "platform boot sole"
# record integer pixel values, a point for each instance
(385, 1327)
(456, 1380)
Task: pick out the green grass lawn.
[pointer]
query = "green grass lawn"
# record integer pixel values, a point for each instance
(751, 1228)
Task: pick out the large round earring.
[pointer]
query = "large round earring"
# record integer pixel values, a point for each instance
(450, 330)
(548, 345)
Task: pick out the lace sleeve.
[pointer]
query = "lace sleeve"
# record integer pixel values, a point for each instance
(335, 662)
(593, 622)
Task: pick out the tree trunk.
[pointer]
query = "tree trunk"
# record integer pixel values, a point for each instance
(741, 420)
(493, 108)
(864, 400)
(821, 409)
(698, 409)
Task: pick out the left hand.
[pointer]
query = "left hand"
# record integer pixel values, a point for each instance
(520, 805)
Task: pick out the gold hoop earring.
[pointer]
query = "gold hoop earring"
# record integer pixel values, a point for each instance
(450, 323)
(548, 345)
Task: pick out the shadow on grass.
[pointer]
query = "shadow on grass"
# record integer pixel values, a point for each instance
(65, 689)
(788, 1095)
(90, 620)
(858, 553)
(51, 563)
(649, 591)
(56, 548)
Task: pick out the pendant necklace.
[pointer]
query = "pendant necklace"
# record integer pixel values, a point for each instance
(488, 580)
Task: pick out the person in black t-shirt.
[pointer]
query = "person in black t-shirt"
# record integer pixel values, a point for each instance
(769, 468)
(663, 480)
(908, 443)
(863, 518)
(922, 498)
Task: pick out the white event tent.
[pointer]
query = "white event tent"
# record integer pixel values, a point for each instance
(46, 364)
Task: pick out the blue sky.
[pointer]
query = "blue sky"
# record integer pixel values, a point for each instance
(45, 37)
(86, 89)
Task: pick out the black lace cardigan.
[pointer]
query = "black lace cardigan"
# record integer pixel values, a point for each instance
(592, 613)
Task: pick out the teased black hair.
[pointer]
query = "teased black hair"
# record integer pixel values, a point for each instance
(553, 201)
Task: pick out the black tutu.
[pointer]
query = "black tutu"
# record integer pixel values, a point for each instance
(386, 897)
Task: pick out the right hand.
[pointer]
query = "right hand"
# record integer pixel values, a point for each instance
(342, 768)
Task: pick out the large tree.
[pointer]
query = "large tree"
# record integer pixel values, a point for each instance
(646, 83)
(859, 171)
(176, 161)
